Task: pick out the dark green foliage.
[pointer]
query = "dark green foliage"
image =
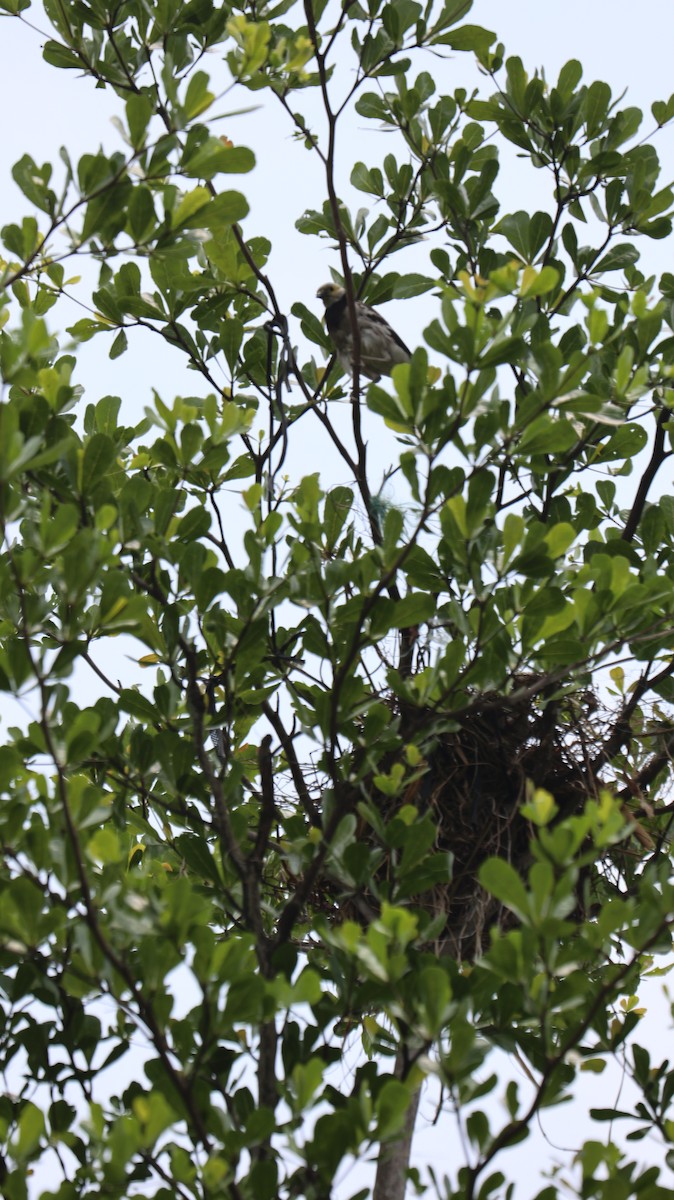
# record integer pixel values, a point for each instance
(386, 779)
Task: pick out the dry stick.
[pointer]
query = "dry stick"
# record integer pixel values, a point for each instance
(658, 457)
(286, 741)
(268, 806)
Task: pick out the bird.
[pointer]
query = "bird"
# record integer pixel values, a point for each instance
(380, 347)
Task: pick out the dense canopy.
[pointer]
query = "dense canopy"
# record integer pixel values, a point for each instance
(336, 766)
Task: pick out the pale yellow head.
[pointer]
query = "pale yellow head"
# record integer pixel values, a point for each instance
(330, 293)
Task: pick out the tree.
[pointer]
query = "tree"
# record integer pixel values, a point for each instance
(391, 780)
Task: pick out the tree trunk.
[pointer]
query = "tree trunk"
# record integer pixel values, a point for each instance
(394, 1156)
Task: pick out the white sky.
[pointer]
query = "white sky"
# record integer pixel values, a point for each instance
(625, 44)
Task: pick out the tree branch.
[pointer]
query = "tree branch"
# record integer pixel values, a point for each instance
(658, 456)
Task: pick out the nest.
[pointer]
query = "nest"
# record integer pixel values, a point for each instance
(476, 778)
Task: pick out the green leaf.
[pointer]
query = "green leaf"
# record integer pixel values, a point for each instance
(99, 453)
(506, 350)
(224, 210)
(367, 180)
(546, 435)
(58, 55)
(626, 442)
(408, 286)
(31, 1130)
(197, 97)
(502, 880)
(338, 504)
(198, 857)
(142, 216)
(540, 283)
(139, 110)
(569, 77)
(414, 609)
(453, 10)
(663, 111)
(212, 157)
(190, 204)
(231, 337)
(595, 107)
(418, 839)
(468, 37)
(526, 233)
(391, 1108)
(617, 258)
(34, 181)
(305, 1082)
(133, 702)
(119, 345)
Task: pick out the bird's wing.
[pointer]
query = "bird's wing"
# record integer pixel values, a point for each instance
(380, 346)
(374, 321)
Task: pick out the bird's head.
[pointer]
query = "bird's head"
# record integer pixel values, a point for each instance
(330, 293)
